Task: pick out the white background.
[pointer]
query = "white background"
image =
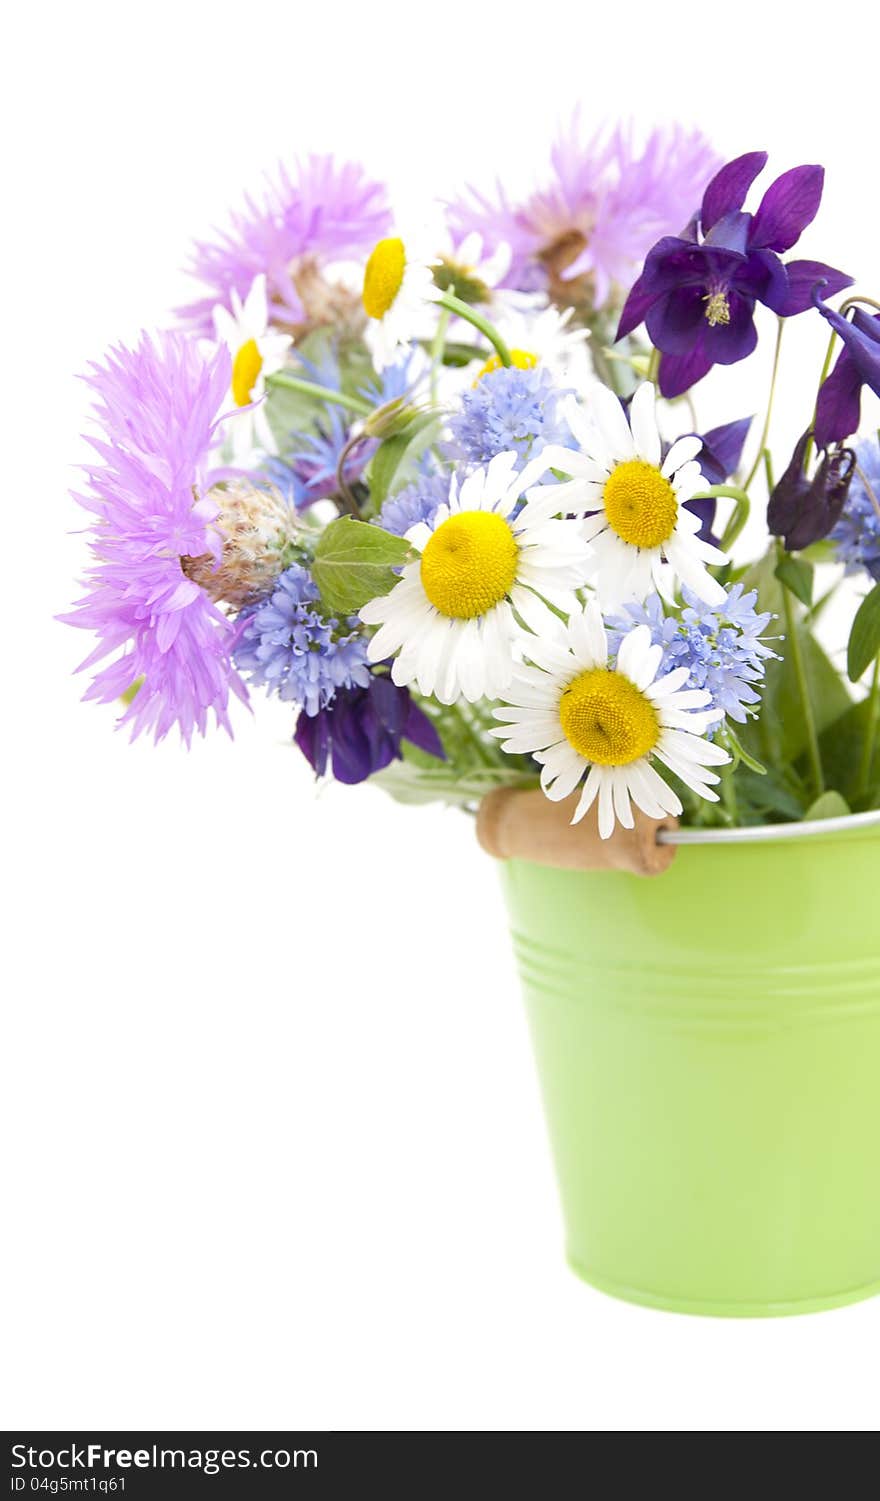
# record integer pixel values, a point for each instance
(272, 1143)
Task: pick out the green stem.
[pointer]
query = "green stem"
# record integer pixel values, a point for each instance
(603, 367)
(869, 488)
(653, 367)
(867, 760)
(826, 366)
(728, 794)
(321, 393)
(461, 309)
(474, 735)
(342, 485)
(797, 662)
(438, 345)
(739, 516)
(858, 301)
(766, 429)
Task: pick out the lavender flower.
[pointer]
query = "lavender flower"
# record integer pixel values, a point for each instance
(288, 646)
(158, 407)
(321, 210)
(415, 503)
(361, 730)
(722, 649)
(857, 534)
(509, 411)
(698, 291)
(607, 201)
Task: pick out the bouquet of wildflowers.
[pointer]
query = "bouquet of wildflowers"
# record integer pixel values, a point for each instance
(443, 489)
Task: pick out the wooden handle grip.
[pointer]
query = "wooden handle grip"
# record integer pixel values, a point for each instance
(513, 824)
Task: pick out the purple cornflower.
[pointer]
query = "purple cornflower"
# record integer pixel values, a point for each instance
(289, 647)
(722, 648)
(606, 202)
(509, 411)
(360, 731)
(697, 293)
(417, 502)
(322, 210)
(858, 364)
(857, 533)
(158, 407)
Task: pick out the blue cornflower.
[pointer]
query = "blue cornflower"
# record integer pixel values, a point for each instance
(306, 473)
(722, 648)
(417, 502)
(509, 411)
(289, 647)
(307, 470)
(394, 383)
(857, 533)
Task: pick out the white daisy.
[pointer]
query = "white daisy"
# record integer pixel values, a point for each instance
(399, 289)
(464, 270)
(460, 611)
(640, 521)
(538, 334)
(581, 718)
(257, 351)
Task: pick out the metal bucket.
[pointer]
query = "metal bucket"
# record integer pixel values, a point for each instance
(708, 1044)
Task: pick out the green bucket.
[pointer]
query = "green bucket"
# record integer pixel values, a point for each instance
(708, 1044)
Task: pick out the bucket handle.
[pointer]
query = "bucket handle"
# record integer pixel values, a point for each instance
(518, 824)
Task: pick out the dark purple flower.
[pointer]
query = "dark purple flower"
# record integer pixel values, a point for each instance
(718, 458)
(804, 510)
(697, 293)
(858, 364)
(361, 729)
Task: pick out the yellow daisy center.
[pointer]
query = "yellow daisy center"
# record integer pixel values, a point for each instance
(469, 564)
(607, 719)
(383, 277)
(246, 369)
(640, 503)
(520, 359)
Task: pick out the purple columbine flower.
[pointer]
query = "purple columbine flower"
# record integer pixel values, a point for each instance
(360, 731)
(697, 293)
(858, 364)
(718, 458)
(804, 510)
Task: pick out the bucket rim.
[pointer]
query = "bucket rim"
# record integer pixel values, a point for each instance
(771, 832)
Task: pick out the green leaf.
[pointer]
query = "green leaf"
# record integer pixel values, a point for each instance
(778, 737)
(391, 455)
(767, 798)
(797, 575)
(829, 805)
(408, 783)
(843, 751)
(864, 638)
(740, 753)
(354, 562)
